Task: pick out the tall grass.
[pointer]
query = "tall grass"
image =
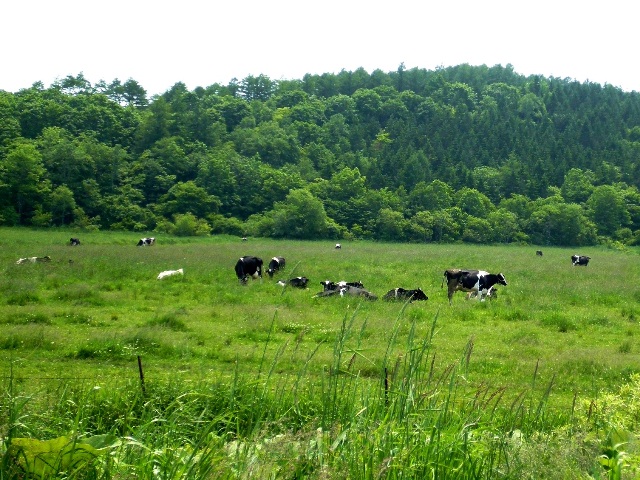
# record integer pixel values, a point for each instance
(413, 421)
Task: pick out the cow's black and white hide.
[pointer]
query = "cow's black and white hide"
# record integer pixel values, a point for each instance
(276, 263)
(580, 260)
(74, 242)
(146, 242)
(338, 246)
(329, 285)
(297, 282)
(248, 266)
(44, 259)
(404, 294)
(478, 281)
(539, 253)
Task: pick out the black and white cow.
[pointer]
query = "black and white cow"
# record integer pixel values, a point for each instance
(404, 294)
(74, 241)
(580, 260)
(338, 246)
(297, 282)
(146, 242)
(248, 266)
(22, 261)
(478, 281)
(347, 290)
(329, 285)
(276, 263)
(539, 253)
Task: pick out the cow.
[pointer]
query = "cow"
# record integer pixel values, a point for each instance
(580, 260)
(74, 241)
(248, 266)
(404, 294)
(338, 246)
(478, 281)
(329, 285)
(357, 292)
(276, 263)
(146, 242)
(297, 282)
(21, 261)
(348, 290)
(539, 253)
(170, 273)
(244, 239)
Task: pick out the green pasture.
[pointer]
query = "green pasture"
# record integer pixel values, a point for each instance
(95, 308)
(260, 381)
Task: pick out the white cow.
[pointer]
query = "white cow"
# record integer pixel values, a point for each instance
(170, 273)
(33, 260)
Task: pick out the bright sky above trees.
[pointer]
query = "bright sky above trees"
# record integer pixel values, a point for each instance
(201, 43)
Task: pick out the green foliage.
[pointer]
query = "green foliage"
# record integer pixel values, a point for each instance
(474, 138)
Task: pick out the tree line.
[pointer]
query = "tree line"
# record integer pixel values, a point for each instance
(466, 153)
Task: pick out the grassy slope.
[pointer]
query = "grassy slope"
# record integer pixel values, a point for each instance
(89, 312)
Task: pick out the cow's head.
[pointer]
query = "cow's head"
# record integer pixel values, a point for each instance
(418, 294)
(501, 280)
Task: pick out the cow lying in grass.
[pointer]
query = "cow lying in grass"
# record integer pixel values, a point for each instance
(297, 282)
(347, 290)
(404, 294)
(46, 258)
(170, 273)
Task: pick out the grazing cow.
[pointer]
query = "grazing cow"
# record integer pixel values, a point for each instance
(404, 294)
(329, 285)
(170, 273)
(580, 260)
(248, 266)
(276, 263)
(298, 282)
(21, 261)
(74, 241)
(338, 246)
(146, 242)
(244, 239)
(477, 281)
(539, 253)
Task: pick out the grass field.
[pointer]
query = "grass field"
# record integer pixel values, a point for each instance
(560, 333)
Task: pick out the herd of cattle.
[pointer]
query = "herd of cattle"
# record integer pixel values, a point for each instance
(477, 283)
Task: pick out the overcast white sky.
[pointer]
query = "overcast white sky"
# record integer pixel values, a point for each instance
(201, 42)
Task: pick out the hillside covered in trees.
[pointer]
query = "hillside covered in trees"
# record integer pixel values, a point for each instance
(467, 153)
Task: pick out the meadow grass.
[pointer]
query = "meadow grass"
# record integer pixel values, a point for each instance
(259, 373)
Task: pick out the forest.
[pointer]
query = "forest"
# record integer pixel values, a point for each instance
(472, 154)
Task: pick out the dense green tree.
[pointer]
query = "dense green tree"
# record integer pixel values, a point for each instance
(474, 203)
(559, 223)
(390, 225)
(187, 197)
(24, 184)
(608, 209)
(62, 205)
(301, 215)
(577, 185)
